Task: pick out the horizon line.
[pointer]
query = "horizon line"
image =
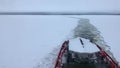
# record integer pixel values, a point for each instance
(59, 13)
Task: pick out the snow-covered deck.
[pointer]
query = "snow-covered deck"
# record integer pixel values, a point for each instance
(88, 47)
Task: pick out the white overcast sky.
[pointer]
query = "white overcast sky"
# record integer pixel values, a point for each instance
(60, 5)
(24, 40)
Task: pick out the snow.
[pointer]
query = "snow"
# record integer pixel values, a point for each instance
(26, 40)
(88, 31)
(75, 45)
(49, 60)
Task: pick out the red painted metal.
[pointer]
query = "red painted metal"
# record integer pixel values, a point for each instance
(112, 62)
(103, 53)
(61, 52)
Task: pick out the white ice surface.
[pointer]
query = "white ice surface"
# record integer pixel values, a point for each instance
(26, 40)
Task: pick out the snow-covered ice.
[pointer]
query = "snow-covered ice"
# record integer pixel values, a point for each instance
(27, 40)
(49, 60)
(88, 34)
